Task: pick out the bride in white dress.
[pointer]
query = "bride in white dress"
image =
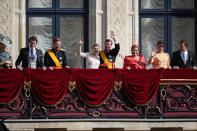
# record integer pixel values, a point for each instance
(92, 57)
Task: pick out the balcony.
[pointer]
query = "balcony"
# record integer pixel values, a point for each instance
(143, 95)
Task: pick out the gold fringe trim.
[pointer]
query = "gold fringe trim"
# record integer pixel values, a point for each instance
(27, 87)
(72, 85)
(117, 85)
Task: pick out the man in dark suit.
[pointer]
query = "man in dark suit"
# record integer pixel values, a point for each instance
(30, 56)
(55, 58)
(183, 58)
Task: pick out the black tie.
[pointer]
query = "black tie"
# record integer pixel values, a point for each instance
(32, 56)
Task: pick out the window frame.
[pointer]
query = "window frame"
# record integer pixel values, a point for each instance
(168, 13)
(55, 12)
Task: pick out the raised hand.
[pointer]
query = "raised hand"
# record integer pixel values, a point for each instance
(81, 41)
(112, 35)
(121, 56)
(153, 52)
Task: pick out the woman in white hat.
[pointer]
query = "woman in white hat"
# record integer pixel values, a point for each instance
(5, 57)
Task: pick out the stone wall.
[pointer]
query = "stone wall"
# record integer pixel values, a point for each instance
(12, 23)
(6, 20)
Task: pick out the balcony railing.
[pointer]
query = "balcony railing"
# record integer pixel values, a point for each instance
(23, 95)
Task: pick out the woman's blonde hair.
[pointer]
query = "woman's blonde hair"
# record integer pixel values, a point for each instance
(94, 45)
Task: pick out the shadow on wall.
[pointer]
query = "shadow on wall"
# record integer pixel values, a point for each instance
(51, 129)
(108, 129)
(167, 129)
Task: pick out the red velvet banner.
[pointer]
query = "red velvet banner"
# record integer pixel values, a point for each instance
(49, 87)
(11, 84)
(141, 85)
(95, 86)
(179, 74)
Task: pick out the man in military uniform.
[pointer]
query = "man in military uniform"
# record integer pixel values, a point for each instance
(55, 58)
(108, 56)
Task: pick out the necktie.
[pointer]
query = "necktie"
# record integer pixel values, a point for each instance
(32, 56)
(184, 58)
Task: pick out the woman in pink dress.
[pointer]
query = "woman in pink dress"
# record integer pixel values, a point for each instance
(160, 59)
(134, 61)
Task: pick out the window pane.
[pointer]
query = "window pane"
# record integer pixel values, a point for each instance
(182, 4)
(42, 28)
(152, 4)
(71, 31)
(183, 28)
(152, 30)
(71, 3)
(40, 3)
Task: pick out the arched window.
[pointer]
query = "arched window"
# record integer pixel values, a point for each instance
(67, 19)
(167, 20)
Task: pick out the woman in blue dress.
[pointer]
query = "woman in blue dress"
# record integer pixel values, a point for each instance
(5, 57)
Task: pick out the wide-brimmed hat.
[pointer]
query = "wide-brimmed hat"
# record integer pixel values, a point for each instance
(5, 40)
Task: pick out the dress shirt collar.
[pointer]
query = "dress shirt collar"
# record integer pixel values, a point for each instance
(185, 52)
(34, 49)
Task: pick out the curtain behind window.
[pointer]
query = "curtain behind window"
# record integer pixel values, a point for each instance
(152, 30)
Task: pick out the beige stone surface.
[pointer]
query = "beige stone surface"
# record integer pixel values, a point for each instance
(81, 126)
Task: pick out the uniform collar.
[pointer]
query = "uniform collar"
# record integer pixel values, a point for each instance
(106, 51)
(54, 50)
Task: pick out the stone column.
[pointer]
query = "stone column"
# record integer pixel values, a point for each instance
(19, 27)
(136, 22)
(97, 25)
(22, 24)
(120, 16)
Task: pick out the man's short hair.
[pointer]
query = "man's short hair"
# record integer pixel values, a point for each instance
(56, 40)
(34, 38)
(108, 40)
(184, 42)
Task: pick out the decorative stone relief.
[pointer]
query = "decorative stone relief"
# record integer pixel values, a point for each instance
(5, 17)
(116, 18)
(117, 22)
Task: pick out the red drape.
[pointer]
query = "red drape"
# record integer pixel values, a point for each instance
(49, 87)
(95, 86)
(180, 74)
(141, 85)
(11, 83)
